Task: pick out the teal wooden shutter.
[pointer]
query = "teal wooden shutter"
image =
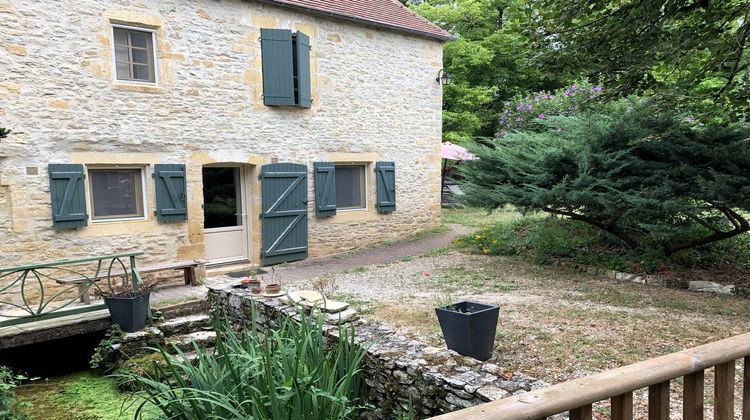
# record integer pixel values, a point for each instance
(385, 173)
(303, 71)
(325, 189)
(171, 192)
(68, 196)
(284, 216)
(278, 67)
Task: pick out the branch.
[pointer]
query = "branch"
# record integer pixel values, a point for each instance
(609, 228)
(741, 225)
(740, 52)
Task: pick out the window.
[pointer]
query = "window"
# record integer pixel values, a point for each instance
(286, 68)
(351, 187)
(116, 193)
(134, 55)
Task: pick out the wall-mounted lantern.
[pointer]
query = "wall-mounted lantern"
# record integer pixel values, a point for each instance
(444, 78)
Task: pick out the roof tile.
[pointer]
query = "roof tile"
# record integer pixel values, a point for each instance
(387, 13)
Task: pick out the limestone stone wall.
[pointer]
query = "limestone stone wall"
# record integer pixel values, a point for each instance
(398, 371)
(375, 98)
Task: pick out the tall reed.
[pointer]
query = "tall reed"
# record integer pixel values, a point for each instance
(287, 373)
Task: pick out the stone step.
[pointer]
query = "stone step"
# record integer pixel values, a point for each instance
(185, 324)
(193, 307)
(203, 339)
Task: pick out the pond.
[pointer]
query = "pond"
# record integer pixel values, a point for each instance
(83, 395)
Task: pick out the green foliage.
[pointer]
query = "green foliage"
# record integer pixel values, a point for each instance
(289, 373)
(553, 239)
(635, 170)
(104, 355)
(492, 60)
(10, 409)
(4, 132)
(692, 52)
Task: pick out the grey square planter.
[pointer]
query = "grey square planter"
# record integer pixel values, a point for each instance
(470, 329)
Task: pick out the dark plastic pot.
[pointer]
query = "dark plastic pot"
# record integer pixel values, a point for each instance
(130, 313)
(470, 329)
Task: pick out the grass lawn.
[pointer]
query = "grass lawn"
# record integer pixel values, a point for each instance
(555, 324)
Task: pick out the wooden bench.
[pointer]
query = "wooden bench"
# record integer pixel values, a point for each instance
(188, 267)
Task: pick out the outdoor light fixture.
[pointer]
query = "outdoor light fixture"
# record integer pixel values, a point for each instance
(444, 77)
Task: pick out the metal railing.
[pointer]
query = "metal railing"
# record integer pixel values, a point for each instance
(617, 385)
(55, 289)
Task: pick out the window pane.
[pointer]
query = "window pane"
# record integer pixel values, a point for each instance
(140, 56)
(123, 71)
(350, 187)
(121, 37)
(116, 193)
(121, 54)
(140, 72)
(140, 39)
(221, 204)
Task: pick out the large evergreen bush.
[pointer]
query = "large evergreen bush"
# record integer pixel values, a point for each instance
(634, 169)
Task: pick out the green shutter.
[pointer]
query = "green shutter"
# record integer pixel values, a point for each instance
(278, 68)
(171, 192)
(325, 189)
(284, 212)
(68, 196)
(303, 70)
(385, 173)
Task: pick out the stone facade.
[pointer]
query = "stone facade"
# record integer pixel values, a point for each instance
(374, 98)
(398, 371)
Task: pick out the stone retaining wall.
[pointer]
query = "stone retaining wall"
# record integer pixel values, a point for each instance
(397, 368)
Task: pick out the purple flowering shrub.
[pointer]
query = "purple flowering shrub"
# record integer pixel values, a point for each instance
(527, 113)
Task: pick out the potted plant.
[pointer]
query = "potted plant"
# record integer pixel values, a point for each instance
(469, 328)
(272, 286)
(128, 306)
(251, 281)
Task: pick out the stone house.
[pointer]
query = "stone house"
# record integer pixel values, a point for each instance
(254, 131)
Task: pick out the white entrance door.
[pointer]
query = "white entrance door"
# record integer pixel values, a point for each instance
(224, 218)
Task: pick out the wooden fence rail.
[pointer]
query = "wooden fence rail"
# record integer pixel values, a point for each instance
(617, 385)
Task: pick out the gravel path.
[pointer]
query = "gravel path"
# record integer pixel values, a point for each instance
(383, 254)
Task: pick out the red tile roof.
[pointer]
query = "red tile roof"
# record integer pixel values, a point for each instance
(383, 13)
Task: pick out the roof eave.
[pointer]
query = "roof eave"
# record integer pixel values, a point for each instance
(313, 11)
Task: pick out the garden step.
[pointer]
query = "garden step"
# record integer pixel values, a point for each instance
(192, 307)
(184, 324)
(185, 342)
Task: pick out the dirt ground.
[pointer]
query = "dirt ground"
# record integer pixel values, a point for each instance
(555, 324)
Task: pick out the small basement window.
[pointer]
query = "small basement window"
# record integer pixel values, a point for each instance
(351, 187)
(134, 54)
(116, 193)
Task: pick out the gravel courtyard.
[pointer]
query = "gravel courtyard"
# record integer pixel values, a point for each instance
(555, 324)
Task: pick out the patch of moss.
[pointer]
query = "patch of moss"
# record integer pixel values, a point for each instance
(80, 396)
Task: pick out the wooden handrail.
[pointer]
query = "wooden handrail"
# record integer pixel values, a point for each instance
(618, 384)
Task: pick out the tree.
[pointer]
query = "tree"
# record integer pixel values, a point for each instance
(690, 52)
(634, 169)
(492, 59)
(4, 133)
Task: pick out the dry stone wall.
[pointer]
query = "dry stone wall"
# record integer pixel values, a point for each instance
(375, 98)
(399, 371)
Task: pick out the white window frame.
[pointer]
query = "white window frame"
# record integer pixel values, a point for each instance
(366, 192)
(144, 193)
(114, 58)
